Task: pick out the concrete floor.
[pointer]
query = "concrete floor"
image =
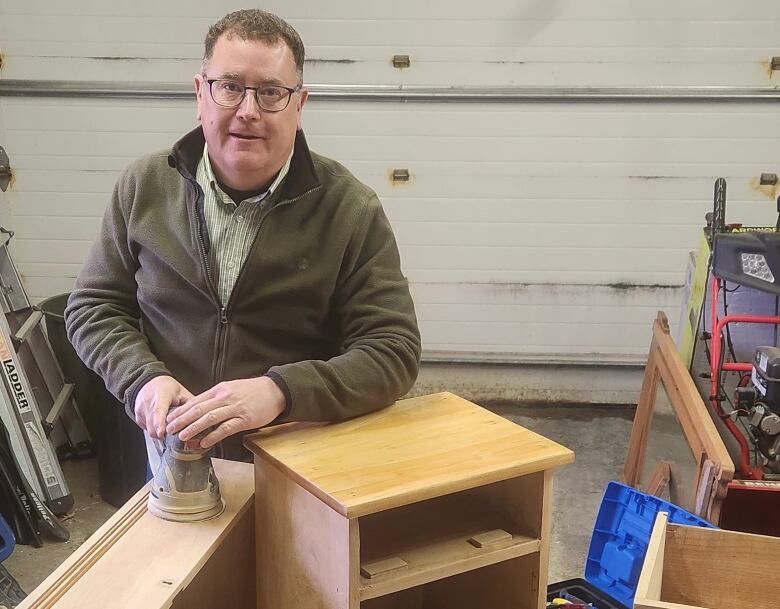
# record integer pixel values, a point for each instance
(598, 436)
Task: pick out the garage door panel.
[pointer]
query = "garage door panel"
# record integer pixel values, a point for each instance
(54, 227)
(509, 42)
(541, 11)
(497, 149)
(529, 313)
(541, 235)
(487, 335)
(546, 295)
(74, 204)
(39, 288)
(444, 275)
(100, 68)
(56, 181)
(482, 185)
(65, 28)
(655, 215)
(122, 144)
(549, 120)
(92, 162)
(556, 257)
(63, 251)
(439, 10)
(55, 270)
(98, 116)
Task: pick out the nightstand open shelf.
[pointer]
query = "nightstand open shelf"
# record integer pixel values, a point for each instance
(429, 540)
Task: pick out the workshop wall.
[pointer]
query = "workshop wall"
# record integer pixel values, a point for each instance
(542, 231)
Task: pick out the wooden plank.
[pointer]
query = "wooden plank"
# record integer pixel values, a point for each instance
(648, 588)
(452, 557)
(382, 567)
(489, 538)
(637, 443)
(660, 479)
(418, 449)
(137, 560)
(729, 559)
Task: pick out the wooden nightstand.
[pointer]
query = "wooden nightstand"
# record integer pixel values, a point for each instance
(433, 502)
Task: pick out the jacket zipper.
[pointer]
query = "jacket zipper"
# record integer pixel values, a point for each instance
(223, 320)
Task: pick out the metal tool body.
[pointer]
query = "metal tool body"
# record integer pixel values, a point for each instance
(185, 487)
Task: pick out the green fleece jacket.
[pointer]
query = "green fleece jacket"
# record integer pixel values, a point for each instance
(320, 304)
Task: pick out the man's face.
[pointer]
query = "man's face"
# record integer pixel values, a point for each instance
(247, 145)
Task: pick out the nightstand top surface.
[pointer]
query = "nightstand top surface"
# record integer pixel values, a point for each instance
(417, 449)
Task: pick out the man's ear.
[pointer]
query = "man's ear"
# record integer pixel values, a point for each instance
(199, 88)
(303, 95)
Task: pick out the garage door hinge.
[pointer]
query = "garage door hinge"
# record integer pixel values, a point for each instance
(5, 170)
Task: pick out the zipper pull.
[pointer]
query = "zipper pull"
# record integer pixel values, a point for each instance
(223, 316)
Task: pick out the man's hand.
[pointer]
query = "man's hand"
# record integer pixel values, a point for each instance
(153, 402)
(228, 408)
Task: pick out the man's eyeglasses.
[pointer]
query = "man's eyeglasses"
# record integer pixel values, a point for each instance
(229, 94)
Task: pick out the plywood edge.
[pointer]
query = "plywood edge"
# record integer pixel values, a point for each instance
(125, 522)
(648, 589)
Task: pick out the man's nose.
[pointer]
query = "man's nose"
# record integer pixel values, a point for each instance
(249, 108)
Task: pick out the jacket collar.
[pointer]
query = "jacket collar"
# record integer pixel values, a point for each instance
(301, 178)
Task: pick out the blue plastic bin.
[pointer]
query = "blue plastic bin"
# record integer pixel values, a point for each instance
(619, 542)
(7, 540)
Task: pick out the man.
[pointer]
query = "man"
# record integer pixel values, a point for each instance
(239, 277)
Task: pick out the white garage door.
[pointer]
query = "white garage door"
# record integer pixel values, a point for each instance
(546, 219)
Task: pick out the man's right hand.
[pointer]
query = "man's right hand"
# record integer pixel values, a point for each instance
(153, 402)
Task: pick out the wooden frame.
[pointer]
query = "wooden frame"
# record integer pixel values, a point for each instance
(714, 467)
(697, 568)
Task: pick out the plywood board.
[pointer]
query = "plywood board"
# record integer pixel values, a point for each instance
(138, 560)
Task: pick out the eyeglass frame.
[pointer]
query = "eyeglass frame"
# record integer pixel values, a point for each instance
(290, 91)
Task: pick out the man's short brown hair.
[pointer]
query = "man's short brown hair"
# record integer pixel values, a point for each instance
(254, 24)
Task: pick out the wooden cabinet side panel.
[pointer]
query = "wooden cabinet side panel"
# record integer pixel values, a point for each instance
(307, 554)
(228, 577)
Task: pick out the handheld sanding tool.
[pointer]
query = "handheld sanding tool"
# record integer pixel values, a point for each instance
(185, 487)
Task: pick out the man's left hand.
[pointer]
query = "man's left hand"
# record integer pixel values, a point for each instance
(229, 408)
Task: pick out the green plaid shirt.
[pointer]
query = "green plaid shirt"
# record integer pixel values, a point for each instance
(232, 228)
